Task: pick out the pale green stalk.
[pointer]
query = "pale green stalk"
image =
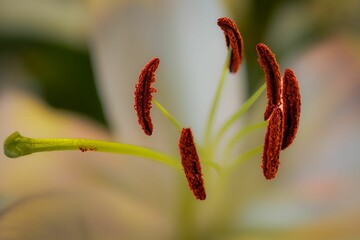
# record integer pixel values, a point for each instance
(238, 136)
(243, 157)
(17, 146)
(210, 163)
(215, 103)
(167, 114)
(236, 116)
(243, 132)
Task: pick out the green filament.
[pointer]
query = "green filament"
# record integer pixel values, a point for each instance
(243, 157)
(167, 114)
(217, 98)
(16, 146)
(243, 132)
(236, 116)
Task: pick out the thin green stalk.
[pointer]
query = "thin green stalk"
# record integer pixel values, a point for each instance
(167, 114)
(16, 146)
(239, 113)
(215, 103)
(237, 136)
(213, 164)
(243, 157)
(210, 163)
(186, 215)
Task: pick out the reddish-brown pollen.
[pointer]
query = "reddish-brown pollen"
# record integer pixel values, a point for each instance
(291, 107)
(85, 149)
(282, 111)
(143, 95)
(271, 69)
(272, 146)
(234, 39)
(191, 163)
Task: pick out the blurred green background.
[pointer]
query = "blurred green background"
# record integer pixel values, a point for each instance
(33, 38)
(61, 74)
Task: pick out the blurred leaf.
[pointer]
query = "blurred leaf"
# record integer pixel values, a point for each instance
(64, 73)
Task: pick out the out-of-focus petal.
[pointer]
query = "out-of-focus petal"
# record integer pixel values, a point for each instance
(75, 193)
(185, 37)
(94, 212)
(317, 181)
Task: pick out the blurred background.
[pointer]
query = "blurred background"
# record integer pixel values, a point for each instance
(68, 69)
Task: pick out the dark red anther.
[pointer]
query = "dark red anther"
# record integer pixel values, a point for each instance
(143, 95)
(272, 146)
(271, 69)
(191, 163)
(234, 39)
(291, 107)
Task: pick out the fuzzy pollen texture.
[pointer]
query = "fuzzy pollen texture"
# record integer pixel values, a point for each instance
(282, 111)
(271, 69)
(234, 40)
(191, 163)
(143, 95)
(272, 146)
(291, 107)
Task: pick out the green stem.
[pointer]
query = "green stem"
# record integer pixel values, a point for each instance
(239, 113)
(186, 215)
(237, 136)
(167, 114)
(16, 146)
(210, 163)
(215, 103)
(213, 164)
(243, 157)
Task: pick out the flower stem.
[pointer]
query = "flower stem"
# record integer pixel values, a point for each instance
(217, 98)
(167, 114)
(213, 164)
(237, 136)
(243, 157)
(239, 113)
(16, 146)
